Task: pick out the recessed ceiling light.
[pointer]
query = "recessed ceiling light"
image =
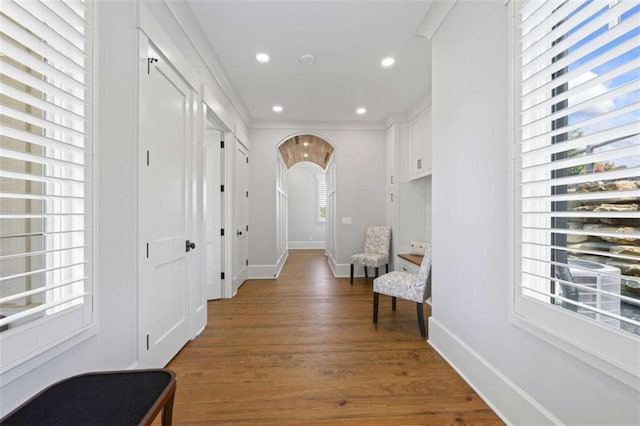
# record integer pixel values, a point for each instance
(262, 57)
(361, 111)
(277, 108)
(307, 59)
(305, 143)
(305, 155)
(388, 61)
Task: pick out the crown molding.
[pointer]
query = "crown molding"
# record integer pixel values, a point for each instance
(436, 14)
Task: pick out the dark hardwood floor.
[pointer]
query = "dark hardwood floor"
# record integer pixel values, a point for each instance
(302, 349)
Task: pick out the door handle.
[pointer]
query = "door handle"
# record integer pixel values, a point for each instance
(190, 246)
(239, 233)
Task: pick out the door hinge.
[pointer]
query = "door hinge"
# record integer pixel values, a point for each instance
(149, 62)
(247, 160)
(147, 342)
(147, 157)
(221, 188)
(147, 250)
(247, 227)
(222, 232)
(222, 275)
(246, 262)
(247, 194)
(221, 144)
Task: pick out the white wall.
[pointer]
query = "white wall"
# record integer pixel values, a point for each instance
(519, 373)
(360, 188)
(304, 229)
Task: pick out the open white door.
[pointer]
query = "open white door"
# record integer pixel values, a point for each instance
(241, 215)
(213, 213)
(164, 212)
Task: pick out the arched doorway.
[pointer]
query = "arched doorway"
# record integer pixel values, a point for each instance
(295, 150)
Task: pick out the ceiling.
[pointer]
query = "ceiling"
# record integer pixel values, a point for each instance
(348, 40)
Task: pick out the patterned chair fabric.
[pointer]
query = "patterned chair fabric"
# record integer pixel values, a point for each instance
(376, 247)
(414, 287)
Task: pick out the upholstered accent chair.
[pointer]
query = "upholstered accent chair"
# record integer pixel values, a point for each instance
(376, 250)
(415, 287)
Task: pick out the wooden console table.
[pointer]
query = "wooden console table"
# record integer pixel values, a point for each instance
(130, 397)
(416, 259)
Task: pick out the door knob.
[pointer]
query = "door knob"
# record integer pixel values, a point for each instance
(190, 246)
(239, 233)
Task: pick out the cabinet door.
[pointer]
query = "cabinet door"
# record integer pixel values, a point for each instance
(415, 147)
(426, 144)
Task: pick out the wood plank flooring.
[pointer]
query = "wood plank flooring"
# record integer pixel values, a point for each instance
(302, 349)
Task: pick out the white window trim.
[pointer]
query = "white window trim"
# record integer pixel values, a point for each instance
(45, 353)
(617, 353)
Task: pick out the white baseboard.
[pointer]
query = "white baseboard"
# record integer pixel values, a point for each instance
(267, 272)
(510, 402)
(306, 245)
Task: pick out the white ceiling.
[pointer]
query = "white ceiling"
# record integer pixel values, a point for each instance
(348, 40)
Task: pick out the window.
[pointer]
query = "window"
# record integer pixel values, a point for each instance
(321, 198)
(45, 176)
(577, 267)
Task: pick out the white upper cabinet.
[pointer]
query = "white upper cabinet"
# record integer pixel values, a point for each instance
(420, 145)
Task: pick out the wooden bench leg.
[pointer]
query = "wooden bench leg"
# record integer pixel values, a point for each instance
(393, 304)
(351, 281)
(167, 412)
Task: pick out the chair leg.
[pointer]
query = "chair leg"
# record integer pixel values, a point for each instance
(351, 281)
(393, 304)
(375, 307)
(386, 268)
(365, 273)
(423, 333)
(376, 272)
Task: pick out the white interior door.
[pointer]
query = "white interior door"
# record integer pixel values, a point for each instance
(241, 214)
(213, 213)
(164, 267)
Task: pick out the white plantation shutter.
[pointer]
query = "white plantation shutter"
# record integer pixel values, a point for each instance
(322, 198)
(578, 166)
(45, 171)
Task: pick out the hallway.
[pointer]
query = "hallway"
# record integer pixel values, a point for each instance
(302, 349)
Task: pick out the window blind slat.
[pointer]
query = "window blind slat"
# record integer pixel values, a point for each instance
(70, 183)
(40, 308)
(68, 116)
(584, 141)
(39, 290)
(64, 132)
(546, 115)
(41, 252)
(630, 172)
(41, 10)
(568, 39)
(27, 39)
(577, 161)
(611, 116)
(574, 250)
(41, 271)
(534, 82)
(40, 140)
(581, 286)
(586, 215)
(67, 14)
(43, 31)
(28, 80)
(599, 195)
(590, 233)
